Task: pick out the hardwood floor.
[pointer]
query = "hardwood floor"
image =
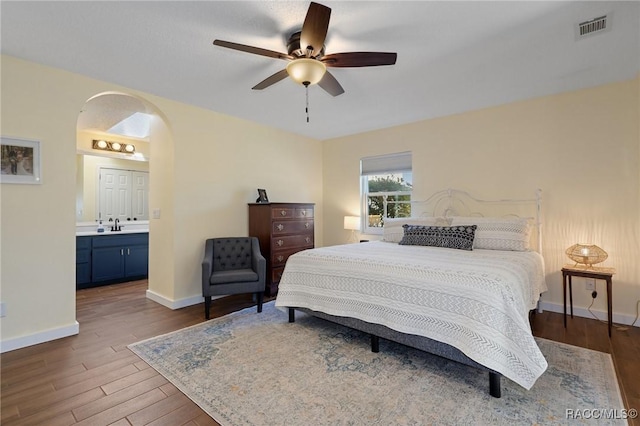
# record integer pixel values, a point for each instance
(93, 379)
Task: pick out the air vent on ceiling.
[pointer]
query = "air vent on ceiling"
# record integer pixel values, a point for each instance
(593, 26)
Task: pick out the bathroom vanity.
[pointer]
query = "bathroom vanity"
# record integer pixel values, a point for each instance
(111, 256)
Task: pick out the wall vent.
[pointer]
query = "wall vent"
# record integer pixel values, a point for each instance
(593, 26)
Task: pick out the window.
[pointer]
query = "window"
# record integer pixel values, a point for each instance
(386, 184)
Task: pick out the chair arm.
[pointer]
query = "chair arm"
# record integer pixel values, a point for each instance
(207, 266)
(258, 262)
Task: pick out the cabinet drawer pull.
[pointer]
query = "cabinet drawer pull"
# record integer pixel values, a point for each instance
(307, 225)
(280, 227)
(121, 252)
(280, 258)
(279, 243)
(283, 212)
(128, 252)
(307, 240)
(304, 212)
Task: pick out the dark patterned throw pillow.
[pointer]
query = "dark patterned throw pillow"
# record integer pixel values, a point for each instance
(455, 237)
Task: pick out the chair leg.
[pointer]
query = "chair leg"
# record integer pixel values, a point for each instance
(260, 296)
(207, 306)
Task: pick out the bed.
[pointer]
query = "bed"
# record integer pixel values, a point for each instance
(469, 304)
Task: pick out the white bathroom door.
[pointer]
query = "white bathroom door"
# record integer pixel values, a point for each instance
(115, 194)
(140, 195)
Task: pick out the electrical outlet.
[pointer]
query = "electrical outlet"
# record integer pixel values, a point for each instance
(590, 284)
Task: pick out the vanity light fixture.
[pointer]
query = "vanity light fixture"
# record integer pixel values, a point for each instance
(586, 254)
(114, 146)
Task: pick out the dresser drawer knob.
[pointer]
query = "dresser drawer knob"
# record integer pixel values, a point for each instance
(280, 227)
(280, 258)
(279, 243)
(307, 225)
(304, 212)
(283, 212)
(307, 240)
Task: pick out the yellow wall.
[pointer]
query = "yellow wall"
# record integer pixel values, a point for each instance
(581, 148)
(204, 168)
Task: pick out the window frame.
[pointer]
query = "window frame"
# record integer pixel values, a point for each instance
(383, 168)
(385, 203)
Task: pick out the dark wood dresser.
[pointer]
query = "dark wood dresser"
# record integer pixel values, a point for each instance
(282, 229)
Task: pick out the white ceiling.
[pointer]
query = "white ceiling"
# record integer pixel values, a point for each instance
(452, 56)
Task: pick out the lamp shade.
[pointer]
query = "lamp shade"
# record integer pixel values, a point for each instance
(352, 223)
(587, 254)
(306, 70)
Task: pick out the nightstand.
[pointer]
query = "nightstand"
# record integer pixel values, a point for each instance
(569, 271)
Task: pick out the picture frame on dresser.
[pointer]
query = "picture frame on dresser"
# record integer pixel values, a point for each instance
(262, 196)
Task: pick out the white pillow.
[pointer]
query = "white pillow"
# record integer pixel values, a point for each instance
(393, 230)
(499, 233)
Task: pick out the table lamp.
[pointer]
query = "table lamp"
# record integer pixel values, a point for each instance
(352, 223)
(586, 254)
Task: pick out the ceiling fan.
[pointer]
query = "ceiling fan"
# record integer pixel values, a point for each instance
(306, 53)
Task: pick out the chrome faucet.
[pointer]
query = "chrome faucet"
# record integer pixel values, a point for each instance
(116, 227)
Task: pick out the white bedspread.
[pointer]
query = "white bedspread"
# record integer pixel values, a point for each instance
(477, 301)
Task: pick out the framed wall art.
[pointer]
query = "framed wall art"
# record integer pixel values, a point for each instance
(19, 161)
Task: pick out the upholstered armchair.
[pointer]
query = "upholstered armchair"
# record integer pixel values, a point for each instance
(233, 265)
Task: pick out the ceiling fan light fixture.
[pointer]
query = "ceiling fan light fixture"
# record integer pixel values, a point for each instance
(306, 70)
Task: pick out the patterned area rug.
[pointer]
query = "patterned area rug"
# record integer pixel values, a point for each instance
(257, 369)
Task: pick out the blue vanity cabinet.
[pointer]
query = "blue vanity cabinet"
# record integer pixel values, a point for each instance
(111, 259)
(83, 261)
(137, 260)
(107, 263)
(116, 257)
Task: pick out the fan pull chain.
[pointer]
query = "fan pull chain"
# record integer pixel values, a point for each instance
(306, 109)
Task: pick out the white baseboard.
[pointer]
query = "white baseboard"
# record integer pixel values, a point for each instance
(37, 338)
(176, 304)
(584, 313)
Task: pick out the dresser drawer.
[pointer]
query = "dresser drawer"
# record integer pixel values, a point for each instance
(283, 213)
(292, 241)
(282, 227)
(291, 213)
(276, 274)
(279, 257)
(303, 213)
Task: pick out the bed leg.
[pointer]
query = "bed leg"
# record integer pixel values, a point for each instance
(494, 385)
(292, 315)
(375, 344)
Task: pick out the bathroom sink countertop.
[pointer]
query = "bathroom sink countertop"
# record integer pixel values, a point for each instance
(109, 232)
(127, 227)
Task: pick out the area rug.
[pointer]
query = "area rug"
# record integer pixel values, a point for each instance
(258, 369)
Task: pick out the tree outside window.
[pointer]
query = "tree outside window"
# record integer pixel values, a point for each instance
(387, 196)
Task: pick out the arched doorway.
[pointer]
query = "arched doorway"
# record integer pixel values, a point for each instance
(120, 135)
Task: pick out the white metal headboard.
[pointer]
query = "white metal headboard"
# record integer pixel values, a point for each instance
(454, 202)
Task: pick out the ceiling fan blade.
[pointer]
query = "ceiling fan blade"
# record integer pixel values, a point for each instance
(359, 59)
(330, 84)
(273, 79)
(314, 29)
(251, 49)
